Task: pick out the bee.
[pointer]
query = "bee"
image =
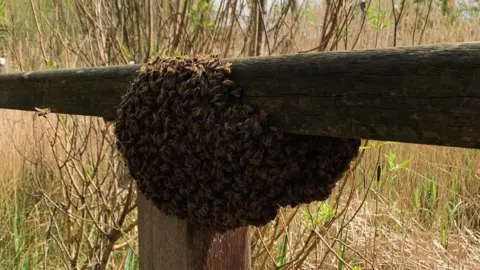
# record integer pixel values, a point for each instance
(143, 69)
(263, 173)
(195, 128)
(246, 139)
(164, 168)
(187, 93)
(255, 162)
(166, 195)
(258, 154)
(248, 109)
(257, 131)
(227, 68)
(263, 116)
(220, 152)
(267, 141)
(274, 172)
(230, 128)
(230, 112)
(217, 186)
(216, 90)
(185, 73)
(307, 174)
(228, 83)
(217, 98)
(228, 168)
(247, 123)
(236, 93)
(218, 77)
(203, 210)
(293, 166)
(237, 197)
(239, 125)
(42, 112)
(212, 64)
(227, 136)
(197, 91)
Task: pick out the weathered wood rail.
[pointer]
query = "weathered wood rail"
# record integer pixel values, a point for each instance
(408, 94)
(426, 95)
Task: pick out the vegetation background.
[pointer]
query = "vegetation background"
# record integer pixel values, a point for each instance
(66, 200)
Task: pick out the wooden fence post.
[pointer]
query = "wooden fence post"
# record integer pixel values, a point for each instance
(170, 243)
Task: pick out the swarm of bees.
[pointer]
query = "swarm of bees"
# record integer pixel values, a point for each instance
(198, 153)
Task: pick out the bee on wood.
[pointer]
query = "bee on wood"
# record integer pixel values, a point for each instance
(42, 112)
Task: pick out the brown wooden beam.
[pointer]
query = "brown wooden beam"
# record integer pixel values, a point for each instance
(427, 94)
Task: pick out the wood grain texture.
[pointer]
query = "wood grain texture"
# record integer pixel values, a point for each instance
(89, 91)
(167, 242)
(427, 94)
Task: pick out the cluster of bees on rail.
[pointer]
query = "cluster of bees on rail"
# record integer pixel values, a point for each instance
(198, 153)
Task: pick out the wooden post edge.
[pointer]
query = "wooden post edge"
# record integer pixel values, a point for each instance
(167, 243)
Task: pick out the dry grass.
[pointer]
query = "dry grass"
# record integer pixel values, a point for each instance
(404, 206)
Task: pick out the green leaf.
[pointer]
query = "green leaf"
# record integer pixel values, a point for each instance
(443, 232)
(211, 24)
(26, 263)
(309, 14)
(50, 64)
(16, 238)
(325, 212)
(283, 247)
(131, 263)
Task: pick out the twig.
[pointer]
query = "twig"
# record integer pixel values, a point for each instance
(331, 250)
(40, 35)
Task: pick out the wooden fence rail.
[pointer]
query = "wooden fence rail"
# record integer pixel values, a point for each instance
(426, 95)
(405, 94)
